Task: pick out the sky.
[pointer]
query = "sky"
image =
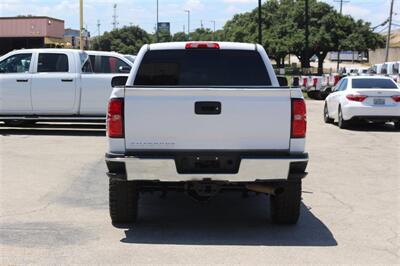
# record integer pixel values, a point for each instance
(143, 12)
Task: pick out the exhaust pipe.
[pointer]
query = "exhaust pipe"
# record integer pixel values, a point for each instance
(265, 189)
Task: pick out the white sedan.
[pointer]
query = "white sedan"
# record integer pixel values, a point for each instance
(368, 98)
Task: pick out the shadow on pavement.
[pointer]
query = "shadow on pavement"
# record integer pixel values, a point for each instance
(228, 219)
(56, 129)
(373, 127)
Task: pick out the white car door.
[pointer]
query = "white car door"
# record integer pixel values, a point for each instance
(335, 96)
(15, 84)
(338, 96)
(54, 84)
(97, 74)
(332, 97)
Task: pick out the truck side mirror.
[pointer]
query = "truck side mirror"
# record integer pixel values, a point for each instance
(283, 82)
(124, 69)
(118, 81)
(296, 81)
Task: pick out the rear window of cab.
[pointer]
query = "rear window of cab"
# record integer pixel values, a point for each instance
(202, 67)
(375, 83)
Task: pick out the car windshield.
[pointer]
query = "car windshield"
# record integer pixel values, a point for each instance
(202, 67)
(373, 84)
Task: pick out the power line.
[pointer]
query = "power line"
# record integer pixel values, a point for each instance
(384, 29)
(380, 25)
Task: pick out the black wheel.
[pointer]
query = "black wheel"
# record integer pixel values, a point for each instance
(327, 119)
(312, 95)
(285, 207)
(19, 123)
(123, 202)
(397, 125)
(341, 122)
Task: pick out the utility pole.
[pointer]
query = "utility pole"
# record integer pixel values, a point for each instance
(338, 52)
(213, 22)
(201, 23)
(183, 28)
(157, 37)
(188, 14)
(259, 23)
(115, 23)
(81, 46)
(389, 32)
(306, 34)
(98, 27)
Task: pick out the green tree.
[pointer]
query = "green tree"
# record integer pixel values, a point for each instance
(127, 40)
(284, 27)
(179, 37)
(163, 36)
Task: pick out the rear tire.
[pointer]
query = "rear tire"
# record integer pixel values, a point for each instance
(341, 122)
(397, 125)
(327, 119)
(285, 207)
(123, 202)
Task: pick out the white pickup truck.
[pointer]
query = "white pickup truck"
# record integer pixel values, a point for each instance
(57, 84)
(205, 117)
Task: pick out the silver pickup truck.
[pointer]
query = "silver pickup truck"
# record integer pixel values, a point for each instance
(202, 118)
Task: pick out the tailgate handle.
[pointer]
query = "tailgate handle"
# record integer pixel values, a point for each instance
(207, 108)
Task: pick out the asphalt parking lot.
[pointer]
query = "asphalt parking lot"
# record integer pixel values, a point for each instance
(54, 205)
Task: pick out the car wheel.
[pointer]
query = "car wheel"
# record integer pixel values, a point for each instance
(327, 119)
(285, 207)
(397, 125)
(19, 123)
(123, 202)
(341, 122)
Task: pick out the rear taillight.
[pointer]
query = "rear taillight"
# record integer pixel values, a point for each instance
(299, 118)
(396, 98)
(356, 98)
(115, 118)
(305, 80)
(202, 45)
(315, 81)
(336, 80)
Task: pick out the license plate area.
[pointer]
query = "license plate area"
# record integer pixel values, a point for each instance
(379, 101)
(207, 164)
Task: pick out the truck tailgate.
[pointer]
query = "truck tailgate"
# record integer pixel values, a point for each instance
(207, 119)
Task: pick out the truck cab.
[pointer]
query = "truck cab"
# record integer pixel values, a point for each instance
(38, 84)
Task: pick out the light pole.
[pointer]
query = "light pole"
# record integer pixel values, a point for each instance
(259, 23)
(81, 46)
(188, 14)
(157, 25)
(338, 53)
(388, 36)
(306, 33)
(213, 22)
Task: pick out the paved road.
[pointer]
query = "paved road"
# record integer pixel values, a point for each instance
(54, 206)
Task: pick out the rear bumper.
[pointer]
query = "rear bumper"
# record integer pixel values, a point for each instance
(381, 112)
(251, 168)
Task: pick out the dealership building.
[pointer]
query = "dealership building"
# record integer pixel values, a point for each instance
(36, 32)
